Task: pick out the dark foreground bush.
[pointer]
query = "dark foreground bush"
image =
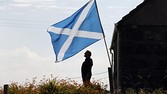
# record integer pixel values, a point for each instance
(56, 86)
(145, 91)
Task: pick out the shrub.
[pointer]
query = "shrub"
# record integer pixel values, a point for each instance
(56, 86)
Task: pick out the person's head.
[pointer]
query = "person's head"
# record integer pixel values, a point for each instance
(87, 54)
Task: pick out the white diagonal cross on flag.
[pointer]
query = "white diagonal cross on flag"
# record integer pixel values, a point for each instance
(62, 28)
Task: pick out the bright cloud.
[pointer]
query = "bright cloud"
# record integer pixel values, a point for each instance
(34, 1)
(29, 4)
(19, 54)
(45, 4)
(21, 64)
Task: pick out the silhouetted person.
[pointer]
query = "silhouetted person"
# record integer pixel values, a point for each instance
(86, 68)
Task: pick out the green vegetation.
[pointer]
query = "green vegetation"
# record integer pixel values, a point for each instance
(56, 86)
(68, 86)
(143, 91)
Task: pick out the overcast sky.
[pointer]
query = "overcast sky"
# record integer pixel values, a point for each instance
(25, 46)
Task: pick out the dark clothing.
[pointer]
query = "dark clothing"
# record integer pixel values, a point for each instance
(86, 69)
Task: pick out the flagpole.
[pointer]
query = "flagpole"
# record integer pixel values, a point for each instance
(111, 63)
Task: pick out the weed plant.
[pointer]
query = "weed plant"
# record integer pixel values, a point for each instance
(55, 86)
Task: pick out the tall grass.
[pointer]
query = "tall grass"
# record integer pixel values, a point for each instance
(54, 85)
(144, 91)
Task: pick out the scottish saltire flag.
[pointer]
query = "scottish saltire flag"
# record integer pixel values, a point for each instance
(75, 33)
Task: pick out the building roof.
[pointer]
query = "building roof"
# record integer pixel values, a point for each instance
(150, 12)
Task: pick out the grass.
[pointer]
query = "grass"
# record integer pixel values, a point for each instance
(54, 85)
(143, 91)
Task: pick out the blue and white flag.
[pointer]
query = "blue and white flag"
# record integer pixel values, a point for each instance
(75, 33)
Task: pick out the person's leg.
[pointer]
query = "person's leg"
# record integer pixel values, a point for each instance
(87, 80)
(89, 75)
(84, 78)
